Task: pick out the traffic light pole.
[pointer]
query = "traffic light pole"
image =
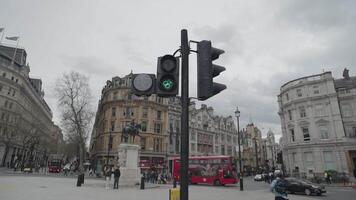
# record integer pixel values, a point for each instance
(184, 150)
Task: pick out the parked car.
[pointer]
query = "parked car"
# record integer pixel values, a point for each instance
(293, 185)
(258, 177)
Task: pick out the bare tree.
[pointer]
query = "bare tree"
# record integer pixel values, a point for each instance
(74, 101)
(9, 132)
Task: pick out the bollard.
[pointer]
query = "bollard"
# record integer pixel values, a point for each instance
(174, 183)
(79, 183)
(82, 179)
(142, 186)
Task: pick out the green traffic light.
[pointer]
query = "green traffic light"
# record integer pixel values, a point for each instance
(168, 84)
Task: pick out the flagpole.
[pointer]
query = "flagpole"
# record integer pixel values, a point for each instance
(2, 35)
(13, 58)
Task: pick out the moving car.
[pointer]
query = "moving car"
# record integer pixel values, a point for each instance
(293, 185)
(258, 177)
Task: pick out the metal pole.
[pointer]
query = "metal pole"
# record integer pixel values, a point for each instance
(240, 159)
(184, 150)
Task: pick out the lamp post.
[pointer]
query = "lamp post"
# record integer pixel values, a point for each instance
(237, 114)
(109, 148)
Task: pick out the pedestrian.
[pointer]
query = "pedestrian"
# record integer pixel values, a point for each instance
(107, 172)
(117, 175)
(326, 176)
(278, 188)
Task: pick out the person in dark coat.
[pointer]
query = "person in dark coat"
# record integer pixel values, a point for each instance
(117, 175)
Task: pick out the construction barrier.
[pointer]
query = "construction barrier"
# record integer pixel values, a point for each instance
(174, 194)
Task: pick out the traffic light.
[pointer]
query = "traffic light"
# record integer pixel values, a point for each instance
(143, 84)
(207, 70)
(167, 76)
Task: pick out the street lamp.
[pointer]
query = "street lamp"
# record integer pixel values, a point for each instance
(109, 148)
(237, 114)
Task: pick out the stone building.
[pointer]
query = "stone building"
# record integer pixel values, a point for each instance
(26, 123)
(117, 108)
(211, 134)
(253, 153)
(318, 124)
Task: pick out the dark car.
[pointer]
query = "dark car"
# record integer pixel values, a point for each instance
(293, 185)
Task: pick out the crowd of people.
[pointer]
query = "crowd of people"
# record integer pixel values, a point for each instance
(153, 176)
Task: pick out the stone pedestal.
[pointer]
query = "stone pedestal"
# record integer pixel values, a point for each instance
(128, 161)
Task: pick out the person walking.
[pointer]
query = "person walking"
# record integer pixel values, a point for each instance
(277, 187)
(107, 172)
(117, 175)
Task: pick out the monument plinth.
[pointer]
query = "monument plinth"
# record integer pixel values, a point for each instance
(128, 161)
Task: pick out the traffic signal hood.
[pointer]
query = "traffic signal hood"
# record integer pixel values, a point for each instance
(143, 84)
(207, 70)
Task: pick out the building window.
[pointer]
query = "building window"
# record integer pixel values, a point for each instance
(10, 105)
(159, 115)
(294, 157)
(222, 138)
(302, 112)
(156, 144)
(287, 96)
(319, 110)
(5, 104)
(290, 114)
(113, 112)
(329, 160)
(216, 149)
(324, 132)
(308, 157)
(316, 89)
(306, 134)
(192, 146)
(4, 74)
(12, 78)
(157, 128)
(112, 126)
(299, 93)
(144, 126)
(192, 136)
(292, 135)
(346, 110)
(143, 143)
(114, 95)
(17, 80)
(222, 149)
(128, 112)
(144, 112)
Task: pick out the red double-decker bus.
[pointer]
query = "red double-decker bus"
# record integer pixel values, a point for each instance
(214, 170)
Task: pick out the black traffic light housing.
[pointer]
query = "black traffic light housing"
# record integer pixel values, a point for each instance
(167, 84)
(207, 70)
(143, 84)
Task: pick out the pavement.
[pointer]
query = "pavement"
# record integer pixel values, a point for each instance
(19, 186)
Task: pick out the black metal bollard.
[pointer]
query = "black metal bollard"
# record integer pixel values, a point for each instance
(142, 186)
(79, 183)
(174, 183)
(82, 178)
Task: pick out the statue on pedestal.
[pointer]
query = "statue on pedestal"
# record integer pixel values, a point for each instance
(130, 130)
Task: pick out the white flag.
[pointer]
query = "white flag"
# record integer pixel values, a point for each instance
(1, 29)
(13, 38)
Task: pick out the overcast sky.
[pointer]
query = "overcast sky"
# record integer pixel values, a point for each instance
(267, 43)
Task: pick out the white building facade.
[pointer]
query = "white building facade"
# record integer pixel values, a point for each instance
(314, 138)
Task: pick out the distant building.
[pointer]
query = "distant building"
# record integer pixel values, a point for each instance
(253, 152)
(26, 123)
(318, 117)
